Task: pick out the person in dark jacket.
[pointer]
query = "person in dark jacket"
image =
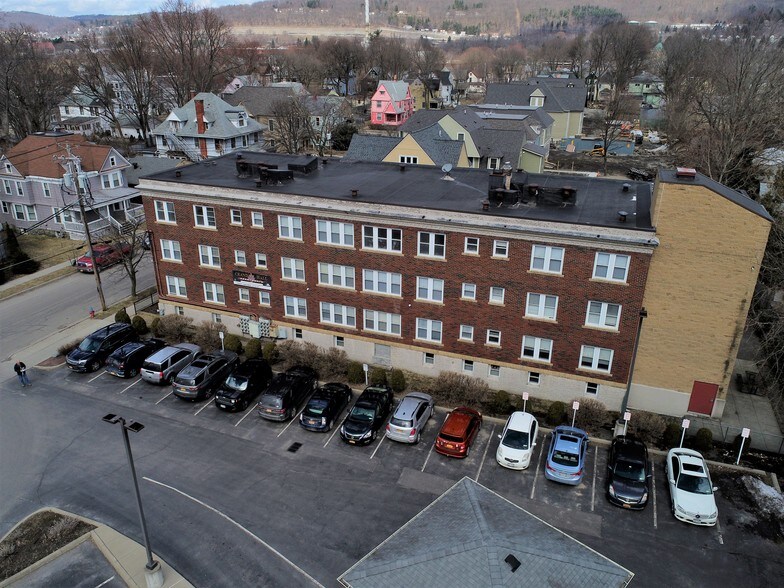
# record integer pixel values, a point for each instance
(21, 371)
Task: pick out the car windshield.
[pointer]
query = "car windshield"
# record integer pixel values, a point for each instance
(629, 471)
(317, 406)
(237, 382)
(515, 439)
(565, 458)
(90, 344)
(694, 484)
(362, 413)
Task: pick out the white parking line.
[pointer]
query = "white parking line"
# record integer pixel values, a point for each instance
(332, 435)
(232, 521)
(718, 528)
(377, 446)
(593, 484)
(206, 404)
(96, 377)
(165, 397)
(252, 408)
(484, 455)
(536, 471)
(105, 582)
(429, 453)
(653, 496)
(296, 418)
(136, 382)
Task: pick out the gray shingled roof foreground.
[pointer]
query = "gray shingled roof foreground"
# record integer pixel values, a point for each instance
(462, 538)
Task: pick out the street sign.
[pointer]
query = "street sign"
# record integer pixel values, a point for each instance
(365, 367)
(685, 424)
(576, 405)
(745, 433)
(627, 416)
(525, 395)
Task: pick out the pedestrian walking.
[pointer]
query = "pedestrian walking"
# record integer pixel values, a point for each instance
(21, 370)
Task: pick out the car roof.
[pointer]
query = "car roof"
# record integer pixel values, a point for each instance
(520, 421)
(104, 332)
(630, 448)
(167, 352)
(691, 461)
(568, 438)
(458, 420)
(410, 404)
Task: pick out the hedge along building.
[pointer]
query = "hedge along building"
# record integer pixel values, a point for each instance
(531, 282)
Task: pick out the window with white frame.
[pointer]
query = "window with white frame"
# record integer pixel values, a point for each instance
(382, 239)
(541, 306)
(7, 210)
(209, 256)
(239, 257)
(466, 332)
(493, 337)
(430, 289)
(61, 215)
(19, 190)
(214, 293)
(264, 298)
(243, 294)
(216, 318)
(432, 244)
(500, 248)
(596, 358)
(112, 180)
(469, 291)
(429, 358)
(170, 250)
(31, 213)
(179, 310)
(236, 216)
(112, 159)
(261, 260)
(537, 348)
(335, 233)
(19, 212)
(204, 216)
(497, 294)
(295, 307)
(533, 378)
(164, 212)
(47, 189)
(338, 314)
(7, 186)
(331, 274)
(592, 388)
(611, 266)
(603, 314)
(382, 322)
(176, 286)
(293, 269)
(493, 162)
(547, 259)
(429, 330)
(408, 159)
(471, 246)
(257, 219)
(468, 366)
(494, 371)
(339, 341)
(380, 282)
(290, 227)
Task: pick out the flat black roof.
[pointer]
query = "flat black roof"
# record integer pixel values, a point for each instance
(598, 201)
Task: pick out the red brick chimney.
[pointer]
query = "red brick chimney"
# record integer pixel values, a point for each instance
(199, 116)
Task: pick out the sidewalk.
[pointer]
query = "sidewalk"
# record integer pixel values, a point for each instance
(37, 275)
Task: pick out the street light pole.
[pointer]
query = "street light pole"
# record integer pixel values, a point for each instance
(643, 316)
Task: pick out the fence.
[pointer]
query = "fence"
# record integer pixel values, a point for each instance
(145, 302)
(769, 442)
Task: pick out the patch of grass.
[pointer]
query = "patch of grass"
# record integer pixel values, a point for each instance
(49, 251)
(34, 283)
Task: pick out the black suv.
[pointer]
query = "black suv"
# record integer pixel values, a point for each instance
(286, 392)
(126, 361)
(628, 473)
(198, 379)
(243, 385)
(367, 416)
(96, 347)
(325, 406)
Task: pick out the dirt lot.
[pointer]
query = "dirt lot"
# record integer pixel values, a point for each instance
(760, 507)
(617, 165)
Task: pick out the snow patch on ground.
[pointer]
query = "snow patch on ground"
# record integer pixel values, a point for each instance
(769, 500)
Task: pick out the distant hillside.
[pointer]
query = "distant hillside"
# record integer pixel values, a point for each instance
(57, 25)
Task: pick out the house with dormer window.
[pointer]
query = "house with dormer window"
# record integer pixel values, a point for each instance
(391, 104)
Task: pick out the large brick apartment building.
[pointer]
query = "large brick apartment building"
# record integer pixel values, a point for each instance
(532, 282)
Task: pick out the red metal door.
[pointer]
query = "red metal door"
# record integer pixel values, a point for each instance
(703, 395)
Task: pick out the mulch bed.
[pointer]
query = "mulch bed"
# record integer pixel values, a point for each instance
(52, 361)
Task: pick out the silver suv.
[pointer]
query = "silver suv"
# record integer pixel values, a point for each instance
(410, 418)
(163, 365)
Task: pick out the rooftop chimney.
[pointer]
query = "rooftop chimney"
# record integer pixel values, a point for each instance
(688, 173)
(200, 116)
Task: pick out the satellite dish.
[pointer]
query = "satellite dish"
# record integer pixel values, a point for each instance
(446, 168)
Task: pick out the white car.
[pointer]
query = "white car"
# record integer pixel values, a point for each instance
(517, 441)
(691, 489)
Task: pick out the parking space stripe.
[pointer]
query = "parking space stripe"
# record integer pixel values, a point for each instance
(252, 408)
(332, 435)
(653, 496)
(296, 418)
(536, 471)
(484, 455)
(718, 528)
(136, 382)
(96, 377)
(593, 484)
(232, 521)
(206, 404)
(105, 582)
(429, 453)
(377, 446)
(165, 397)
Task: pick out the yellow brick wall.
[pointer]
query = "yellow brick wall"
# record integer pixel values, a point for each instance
(699, 287)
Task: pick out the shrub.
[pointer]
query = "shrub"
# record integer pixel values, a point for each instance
(377, 376)
(66, 348)
(205, 335)
(294, 353)
(140, 325)
(556, 413)
(174, 327)
(232, 343)
(355, 373)
(332, 364)
(592, 415)
(703, 440)
(454, 389)
(253, 348)
(155, 327)
(270, 353)
(648, 426)
(500, 403)
(397, 379)
(672, 435)
(121, 316)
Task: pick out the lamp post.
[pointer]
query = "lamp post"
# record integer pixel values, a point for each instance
(643, 316)
(153, 568)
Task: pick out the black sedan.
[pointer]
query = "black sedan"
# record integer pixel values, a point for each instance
(325, 406)
(628, 473)
(126, 361)
(243, 385)
(367, 416)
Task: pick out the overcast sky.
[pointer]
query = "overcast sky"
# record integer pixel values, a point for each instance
(73, 7)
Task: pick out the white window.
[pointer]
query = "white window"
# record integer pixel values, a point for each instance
(296, 307)
(537, 348)
(429, 358)
(290, 227)
(257, 219)
(264, 298)
(468, 366)
(432, 244)
(497, 294)
(236, 216)
(603, 314)
(164, 212)
(239, 257)
(591, 388)
(336, 275)
(533, 378)
(7, 210)
(204, 216)
(382, 239)
(494, 371)
(381, 282)
(112, 160)
(409, 159)
(176, 286)
(214, 293)
(19, 190)
(382, 322)
(541, 306)
(261, 260)
(493, 162)
(500, 248)
(61, 215)
(47, 190)
(469, 291)
(335, 233)
(31, 213)
(243, 294)
(430, 289)
(429, 330)
(216, 318)
(493, 337)
(112, 180)
(179, 310)
(339, 341)
(7, 186)
(337, 314)
(293, 269)
(19, 212)
(611, 266)
(596, 358)
(471, 246)
(171, 250)
(209, 256)
(466, 332)
(547, 259)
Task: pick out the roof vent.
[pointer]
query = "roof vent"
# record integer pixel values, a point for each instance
(402, 167)
(354, 193)
(685, 173)
(622, 214)
(177, 174)
(513, 562)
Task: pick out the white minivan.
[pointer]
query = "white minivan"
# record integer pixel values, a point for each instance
(517, 441)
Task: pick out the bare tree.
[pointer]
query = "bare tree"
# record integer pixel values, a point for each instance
(554, 52)
(302, 64)
(343, 59)
(427, 58)
(130, 240)
(509, 64)
(14, 49)
(89, 70)
(291, 124)
(326, 113)
(390, 55)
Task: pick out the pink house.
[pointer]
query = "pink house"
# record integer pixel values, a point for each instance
(391, 104)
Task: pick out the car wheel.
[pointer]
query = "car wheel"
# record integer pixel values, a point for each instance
(244, 405)
(416, 441)
(132, 373)
(95, 365)
(329, 425)
(468, 451)
(374, 435)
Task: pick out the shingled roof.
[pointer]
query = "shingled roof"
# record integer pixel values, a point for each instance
(216, 111)
(259, 100)
(561, 95)
(35, 154)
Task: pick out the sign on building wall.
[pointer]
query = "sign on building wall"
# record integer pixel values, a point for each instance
(251, 280)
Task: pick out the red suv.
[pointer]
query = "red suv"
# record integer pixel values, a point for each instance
(105, 254)
(458, 432)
